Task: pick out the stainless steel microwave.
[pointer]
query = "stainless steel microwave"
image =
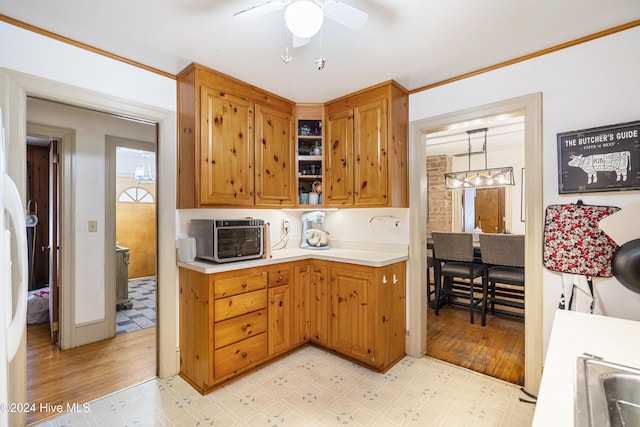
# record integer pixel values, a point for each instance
(227, 240)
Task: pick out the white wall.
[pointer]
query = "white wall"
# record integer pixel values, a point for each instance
(91, 129)
(585, 86)
(347, 227)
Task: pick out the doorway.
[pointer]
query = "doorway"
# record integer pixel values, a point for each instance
(496, 349)
(131, 208)
(530, 107)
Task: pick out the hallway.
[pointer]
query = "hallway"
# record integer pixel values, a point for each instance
(81, 374)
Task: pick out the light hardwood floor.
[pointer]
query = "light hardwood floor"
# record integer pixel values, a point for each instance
(85, 373)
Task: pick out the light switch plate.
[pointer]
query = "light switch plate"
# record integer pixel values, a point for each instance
(93, 226)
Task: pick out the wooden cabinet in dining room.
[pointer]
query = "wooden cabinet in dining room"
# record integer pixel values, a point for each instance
(235, 143)
(366, 155)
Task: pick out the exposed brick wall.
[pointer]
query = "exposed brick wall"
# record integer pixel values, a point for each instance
(439, 199)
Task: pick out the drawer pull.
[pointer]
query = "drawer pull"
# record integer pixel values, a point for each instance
(244, 284)
(244, 354)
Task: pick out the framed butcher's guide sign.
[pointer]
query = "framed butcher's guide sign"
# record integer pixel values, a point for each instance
(605, 158)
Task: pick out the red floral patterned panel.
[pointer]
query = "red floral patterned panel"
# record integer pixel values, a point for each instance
(573, 243)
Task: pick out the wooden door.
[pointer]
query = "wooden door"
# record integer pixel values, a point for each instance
(338, 186)
(353, 306)
(226, 149)
(370, 154)
(275, 153)
(320, 309)
(53, 240)
(301, 323)
(489, 209)
(280, 316)
(38, 204)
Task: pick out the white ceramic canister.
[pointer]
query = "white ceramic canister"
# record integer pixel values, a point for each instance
(187, 249)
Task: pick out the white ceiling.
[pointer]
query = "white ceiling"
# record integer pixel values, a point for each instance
(415, 42)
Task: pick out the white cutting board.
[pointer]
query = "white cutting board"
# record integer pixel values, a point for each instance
(624, 225)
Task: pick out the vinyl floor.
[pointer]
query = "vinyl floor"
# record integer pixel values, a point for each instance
(312, 387)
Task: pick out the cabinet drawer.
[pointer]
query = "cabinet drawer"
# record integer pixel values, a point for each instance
(239, 284)
(227, 308)
(236, 357)
(278, 277)
(239, 328)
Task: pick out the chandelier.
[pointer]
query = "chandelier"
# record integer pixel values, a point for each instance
(480, 178)
(144, 173)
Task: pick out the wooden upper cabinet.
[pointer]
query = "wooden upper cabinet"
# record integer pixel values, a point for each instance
(234, 141)
(367, 153)
(226, 149)
(275, 154)
(370, 171)
(338, 186)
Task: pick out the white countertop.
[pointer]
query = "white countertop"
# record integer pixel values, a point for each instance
(353, 256)
(574, 333)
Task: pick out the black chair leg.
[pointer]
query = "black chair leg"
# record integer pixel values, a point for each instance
(429, 285)
(472, 305)
(484, 299)
(436, 302)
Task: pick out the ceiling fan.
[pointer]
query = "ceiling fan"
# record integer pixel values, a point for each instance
(304, 18)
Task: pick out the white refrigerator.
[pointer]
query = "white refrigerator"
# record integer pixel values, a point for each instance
(13, 277)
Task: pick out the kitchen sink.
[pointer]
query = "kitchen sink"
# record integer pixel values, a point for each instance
(607, 394)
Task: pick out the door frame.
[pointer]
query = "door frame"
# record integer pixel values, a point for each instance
(14, 89)
(66, 230)
(112, 142)
(530, 106)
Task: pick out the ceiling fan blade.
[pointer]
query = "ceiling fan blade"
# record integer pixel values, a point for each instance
(298, 41)
(261, 9)
(345, 14)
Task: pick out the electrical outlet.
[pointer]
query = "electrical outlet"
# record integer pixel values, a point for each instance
(286, 226)
(93, 226)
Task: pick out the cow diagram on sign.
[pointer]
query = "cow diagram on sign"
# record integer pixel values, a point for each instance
(618, 162)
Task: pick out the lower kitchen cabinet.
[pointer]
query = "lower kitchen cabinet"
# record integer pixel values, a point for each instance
(320, 309)
(301, 322)
(368, 311)
(235, 321)
(280, 310)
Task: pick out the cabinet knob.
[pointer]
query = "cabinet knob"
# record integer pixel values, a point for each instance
(244, 354)
(244, 284)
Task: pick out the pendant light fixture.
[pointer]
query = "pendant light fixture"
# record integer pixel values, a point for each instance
(144, 174)
(479, 178)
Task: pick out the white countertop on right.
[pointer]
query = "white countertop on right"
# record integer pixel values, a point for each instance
(573, 333)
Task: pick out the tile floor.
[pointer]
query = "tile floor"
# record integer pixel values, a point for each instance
(312, 387)
(142, 293)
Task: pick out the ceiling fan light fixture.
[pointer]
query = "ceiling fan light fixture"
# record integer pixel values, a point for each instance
(304, 18)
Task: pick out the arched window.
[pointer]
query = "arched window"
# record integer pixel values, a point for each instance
(135, 194)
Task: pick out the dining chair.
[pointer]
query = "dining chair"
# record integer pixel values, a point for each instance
(456, 254)
(503, 256)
